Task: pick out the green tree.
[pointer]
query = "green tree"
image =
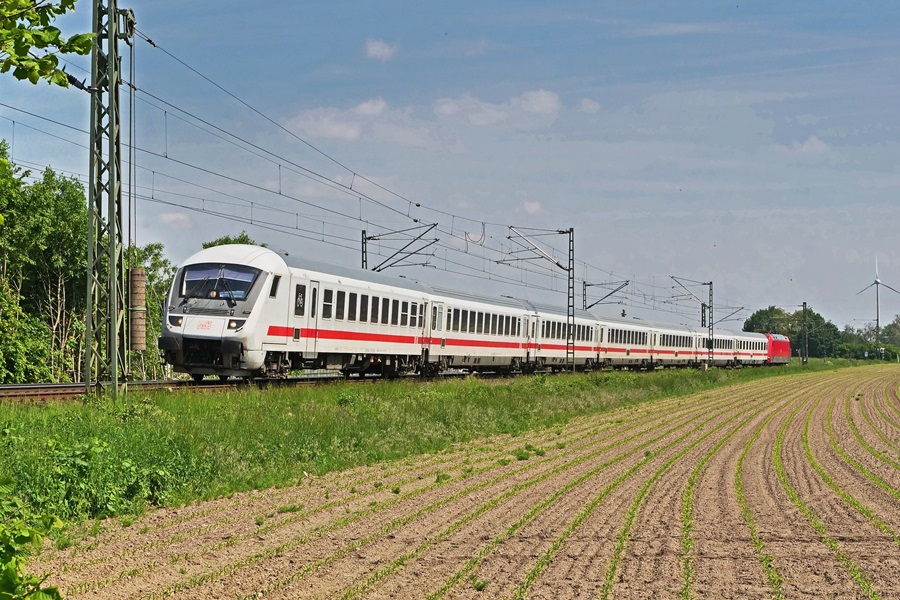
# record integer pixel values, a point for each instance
(769, 320)
(242, 238)
(53, 287)
(24, 343)
(29, 43)
(823, 336)
(41, 275)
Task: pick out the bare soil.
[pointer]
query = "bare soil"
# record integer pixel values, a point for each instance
(641, 502)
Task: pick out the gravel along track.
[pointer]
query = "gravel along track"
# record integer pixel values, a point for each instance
(782, 488)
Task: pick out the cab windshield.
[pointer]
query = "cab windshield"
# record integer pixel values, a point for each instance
(230, 282)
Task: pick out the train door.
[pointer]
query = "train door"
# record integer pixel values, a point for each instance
(434, 327)
(311, 334)
(529, 336)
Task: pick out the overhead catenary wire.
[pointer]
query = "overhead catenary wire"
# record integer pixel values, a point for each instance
(492, 247)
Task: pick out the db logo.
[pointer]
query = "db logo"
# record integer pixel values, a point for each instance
(204, 325)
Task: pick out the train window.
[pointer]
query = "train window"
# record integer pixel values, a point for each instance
(312, 310)
(275, 281)
(493, 325)
(395, 311)
(464, 324)
(519, 327)
(404, 314)
(455, 321)
(300, 300)
(327, 299)
(472, 316)
(440, 318)
(385, 311)
(507, 327)
(415, 319)
(351, 307)
(363, 308)
(339, 305)
(479, 326)
(374, 314)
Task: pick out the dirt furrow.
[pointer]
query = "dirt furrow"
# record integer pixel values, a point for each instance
(593, 507)
(841, 530)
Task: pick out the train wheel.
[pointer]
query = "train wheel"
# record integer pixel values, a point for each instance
(197, 377)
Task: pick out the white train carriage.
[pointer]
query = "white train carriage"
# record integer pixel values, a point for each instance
(549, 344)
(735, 348)
(674, 345)
(751, 349)
(240, 310)
(215, 320)
(624, 343)
(476, 333)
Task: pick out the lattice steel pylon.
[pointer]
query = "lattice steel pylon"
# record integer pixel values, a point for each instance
(106, 328)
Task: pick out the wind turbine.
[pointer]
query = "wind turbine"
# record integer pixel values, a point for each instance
(877, 283)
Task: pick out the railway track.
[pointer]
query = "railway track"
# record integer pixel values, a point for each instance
(44, 392)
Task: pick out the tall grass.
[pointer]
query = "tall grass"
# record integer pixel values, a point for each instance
(102, 457)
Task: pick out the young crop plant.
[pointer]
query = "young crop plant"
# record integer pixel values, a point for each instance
(687, 510)
(843, 557)
(850, 500)
(862, 441)
(881, 483)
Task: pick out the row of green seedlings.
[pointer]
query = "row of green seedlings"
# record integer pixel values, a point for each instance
(766, 560)
(850, 500)
(466, 572)
(352, 547)
(881, 456)
(493, 503)
(865, 410)
(348, 519)
(373, 477)
(855, 572)
(296, 512)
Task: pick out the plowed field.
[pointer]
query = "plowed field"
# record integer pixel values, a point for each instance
(787, 487)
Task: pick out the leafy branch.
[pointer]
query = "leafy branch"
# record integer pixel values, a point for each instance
(30, 45)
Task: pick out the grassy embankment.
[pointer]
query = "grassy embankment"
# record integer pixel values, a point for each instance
(101, 458)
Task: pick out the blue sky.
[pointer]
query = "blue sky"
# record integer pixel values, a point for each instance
(752, 145)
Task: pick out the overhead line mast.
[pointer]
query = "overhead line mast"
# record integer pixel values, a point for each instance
(106, 330)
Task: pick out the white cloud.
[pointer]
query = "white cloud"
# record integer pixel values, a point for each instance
(371, 108)
(529, 110)
(813, 145)
(380, 50)
(539, 102)
(532, 208)
(329, 123)
(588, 106)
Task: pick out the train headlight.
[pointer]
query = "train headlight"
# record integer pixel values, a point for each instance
(236, 323)
(176, 321)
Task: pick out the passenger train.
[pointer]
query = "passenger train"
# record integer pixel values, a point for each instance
(246, 311)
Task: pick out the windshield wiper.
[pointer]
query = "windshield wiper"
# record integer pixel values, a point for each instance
(194, 288)
(228, 289)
